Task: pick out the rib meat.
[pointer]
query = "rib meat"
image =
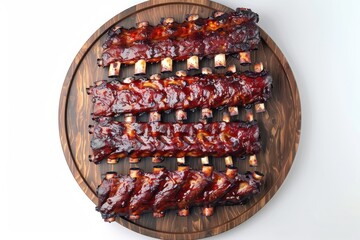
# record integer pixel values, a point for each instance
(137, 193)
(230, 33)
(186, 92)
(112, 139)
(125, 37)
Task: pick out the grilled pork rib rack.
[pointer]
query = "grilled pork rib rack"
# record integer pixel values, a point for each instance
(233, 33)
(134, 194)
(225, 33)
(112, 139)
(180, 92)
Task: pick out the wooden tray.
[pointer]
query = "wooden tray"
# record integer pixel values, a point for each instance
(279, 125)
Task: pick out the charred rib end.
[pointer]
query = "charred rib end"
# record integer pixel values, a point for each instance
(100, 62)
(158, 214)
(184, 212)
(208, 211)
(112, 160)
(157, 159)
(109, 220)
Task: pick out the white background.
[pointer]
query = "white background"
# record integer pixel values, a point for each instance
(320, 198)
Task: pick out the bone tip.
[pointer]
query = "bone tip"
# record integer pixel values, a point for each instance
(89, 90)
(134, 172)
(99, 82)
(218, 14)
(114, 69)
(183, 167)
(231, 69)
(112, 160)
(91, 129)
(229, 161)
(220, 60)
(129, 118)
(157, 169)
(181, 73)
(257, 175)
(158, 214)
(154, 117)
(258, 67)
(91, 158)
(156, 76)
(206, 70)
(245, 58)
(206, 113)
(259, 107)
(140, 67)
(109, 220)
(233, 111)
(134, 217)
(203, 120)
(192, 17)
(208, 211)
(226, 117)
(192, 63)
(134, 160)
(100, 62)
(157, 159)
(205, 160)
(180, 115)
(180, 160)
(166, 65)
(253, 161)
(231, 172)
(249, 115)
(116, 29)
(166, 21)
(128, 80)
(110, 175)
(184, 212)
(142, 24)
(207, 169)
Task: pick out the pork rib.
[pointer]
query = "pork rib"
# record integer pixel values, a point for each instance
(134, 194)
(230, 33)
(119, 36)
(184, 92)
(113, 139)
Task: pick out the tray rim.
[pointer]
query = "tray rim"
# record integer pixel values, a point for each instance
(81, 180)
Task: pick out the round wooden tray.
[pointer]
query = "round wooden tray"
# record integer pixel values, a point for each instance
(279, 125)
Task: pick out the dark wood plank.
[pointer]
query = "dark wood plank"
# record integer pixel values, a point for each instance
(280, 125)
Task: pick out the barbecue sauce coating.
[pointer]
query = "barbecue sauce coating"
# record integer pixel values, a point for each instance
(238, 38)
(186, 92)
(112, 139)
(126, 37)
(158, 192)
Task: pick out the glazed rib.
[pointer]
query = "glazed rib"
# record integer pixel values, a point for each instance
(137, 193)
(236, 39)
(125, 37)
(230, 33)
(185, 92)
(113, 140)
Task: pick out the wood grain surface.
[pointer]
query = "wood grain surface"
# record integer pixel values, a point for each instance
(279, 125)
